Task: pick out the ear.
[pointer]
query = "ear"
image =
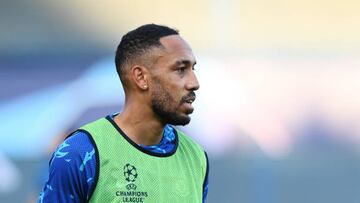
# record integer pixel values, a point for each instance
(139, 75)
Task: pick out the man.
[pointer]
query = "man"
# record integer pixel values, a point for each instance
(136, 155)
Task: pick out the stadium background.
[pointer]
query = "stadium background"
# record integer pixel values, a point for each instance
(278, 109)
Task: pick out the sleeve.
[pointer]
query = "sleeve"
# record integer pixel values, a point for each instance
(72, 171)
(206, 180)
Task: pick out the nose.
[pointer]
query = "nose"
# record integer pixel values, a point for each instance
(193, 83)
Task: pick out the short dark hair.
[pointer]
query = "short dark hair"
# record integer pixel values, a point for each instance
(137, 42)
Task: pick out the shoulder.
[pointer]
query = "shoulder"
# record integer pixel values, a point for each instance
(186, 143)
(72, 170)
(184, 139)
(79, 137)
(78, 141)
(72, 151)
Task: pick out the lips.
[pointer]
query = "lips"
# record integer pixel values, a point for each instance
(187, 102)
(190, 98)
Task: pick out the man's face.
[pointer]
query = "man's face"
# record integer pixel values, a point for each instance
(173, 81)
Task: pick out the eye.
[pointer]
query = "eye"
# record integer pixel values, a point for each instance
(181, 69)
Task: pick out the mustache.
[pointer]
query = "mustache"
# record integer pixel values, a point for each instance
(191, 95)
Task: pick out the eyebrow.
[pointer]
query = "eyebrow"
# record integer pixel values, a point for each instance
(185, 62)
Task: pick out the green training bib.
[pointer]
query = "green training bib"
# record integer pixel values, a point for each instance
(127, 173)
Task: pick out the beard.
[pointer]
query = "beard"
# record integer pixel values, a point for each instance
(166, 108)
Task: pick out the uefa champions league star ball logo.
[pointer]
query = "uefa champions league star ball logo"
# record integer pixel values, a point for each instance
(130, 173)
(131, 194)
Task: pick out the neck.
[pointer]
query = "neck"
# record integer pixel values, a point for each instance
(140, 124)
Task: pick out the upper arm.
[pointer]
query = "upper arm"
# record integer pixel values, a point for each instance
(206, 179)
(71, 171)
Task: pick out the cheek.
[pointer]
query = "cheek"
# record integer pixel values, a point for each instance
(162, 95)
(171, 89)
(176, 86)
(175, 92)
(171, 97)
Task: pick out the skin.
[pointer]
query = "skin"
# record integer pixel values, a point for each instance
(164, 83)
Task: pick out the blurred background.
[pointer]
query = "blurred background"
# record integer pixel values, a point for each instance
(278, 110)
